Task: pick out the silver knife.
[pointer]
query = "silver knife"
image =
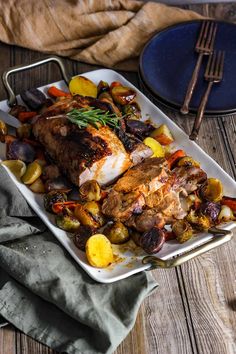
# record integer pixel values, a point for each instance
(9, 119)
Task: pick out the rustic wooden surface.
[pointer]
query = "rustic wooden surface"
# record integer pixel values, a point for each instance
(194, 309)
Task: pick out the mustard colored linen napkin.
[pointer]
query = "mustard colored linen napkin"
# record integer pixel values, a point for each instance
(110, 33)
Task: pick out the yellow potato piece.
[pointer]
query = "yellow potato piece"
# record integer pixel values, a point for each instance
(80, 85)
(99, 251)
(156, 147)
(17, 167)
(37, 186)
(33, 171)
(162, 135)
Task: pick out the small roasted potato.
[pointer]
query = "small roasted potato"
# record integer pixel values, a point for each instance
(95, 210)
(99, 251)
(212, 190)
(33, 98)
(123, 95)
(187, 161)
(19, 150)
(152, 240)
(90, 191)
(37, 186)
(182, 230)
(138, 128)
(67, 222)
(226, 214)
(59, 183)
(24, 131)
(3, 131)
(53, 197)
(80, 85)
(162, 135)
(117, 233)
(33, 171)
(85, 217)
(210, 209)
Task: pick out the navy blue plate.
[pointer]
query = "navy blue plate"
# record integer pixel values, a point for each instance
(169, 58)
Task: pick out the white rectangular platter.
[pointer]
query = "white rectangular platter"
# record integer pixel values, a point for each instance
(130, 256)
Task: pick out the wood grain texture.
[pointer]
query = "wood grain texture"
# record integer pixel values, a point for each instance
(194, 308)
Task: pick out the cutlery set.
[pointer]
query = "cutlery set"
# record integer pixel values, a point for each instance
(213, 72)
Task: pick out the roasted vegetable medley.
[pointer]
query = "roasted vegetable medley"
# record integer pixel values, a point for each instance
(160, 194)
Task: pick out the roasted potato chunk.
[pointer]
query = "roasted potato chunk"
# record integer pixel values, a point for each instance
(123, 95)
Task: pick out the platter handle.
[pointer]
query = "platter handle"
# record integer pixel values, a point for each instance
(11, 95)
(221, 237)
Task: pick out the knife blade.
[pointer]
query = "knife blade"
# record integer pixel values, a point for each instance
(9, 119)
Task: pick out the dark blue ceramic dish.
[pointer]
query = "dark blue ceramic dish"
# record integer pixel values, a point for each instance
(169, 58)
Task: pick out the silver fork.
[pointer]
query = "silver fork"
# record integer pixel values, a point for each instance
(213, 74)
(204, 46)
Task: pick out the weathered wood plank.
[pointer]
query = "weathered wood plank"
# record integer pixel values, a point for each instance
(7, 340)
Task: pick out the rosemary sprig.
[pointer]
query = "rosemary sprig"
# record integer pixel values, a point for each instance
(83, 116)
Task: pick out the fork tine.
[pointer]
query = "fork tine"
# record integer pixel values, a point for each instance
(202, 33)
(221, 64)
(214, 29)
(208, 35)
(213, 64)
(208, 67)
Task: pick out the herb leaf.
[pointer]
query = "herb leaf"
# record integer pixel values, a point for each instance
(83, 116)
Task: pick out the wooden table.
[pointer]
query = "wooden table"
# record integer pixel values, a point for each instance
(194, 309)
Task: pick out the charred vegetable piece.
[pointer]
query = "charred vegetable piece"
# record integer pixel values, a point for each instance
(132, 111)
(33, 98)
(174, 158)
(187, 161)
(53, 197)
(105, 97)
(114, 84)
(156, 147)
(54, 92)
(162, 135)
(102, 87)
(210, 209)
(198, 220)
(60, 207)
(82, 235)
(123, 95)
(212, 190)
(33, 171)
(37, 186)
(183, 230)
(50, 172)
(67, 222)
(230, 202)
(19, 150)
(90, 191)
(152, 240)
(3, 131)
(26, 116)
(99, 251)
(24, 131)
(226, 214)
(47, 104)
(58, 183)
(138, 128)
(117, 233)
(135, 235)
(80, 85)
(85, 217)
(15, 110)
(95, 210)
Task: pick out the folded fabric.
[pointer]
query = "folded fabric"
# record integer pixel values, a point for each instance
(101, 32)
(47, 295)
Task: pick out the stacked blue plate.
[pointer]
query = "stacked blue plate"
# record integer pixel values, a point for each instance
(168, 60)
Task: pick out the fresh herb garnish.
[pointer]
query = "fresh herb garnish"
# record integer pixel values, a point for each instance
(95, 117)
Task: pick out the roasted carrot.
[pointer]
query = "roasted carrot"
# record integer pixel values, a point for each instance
(114, 84)
(230, 202)
(173, 158)
(9, 139)
(26, 116)
(57, 208)
(53, 91)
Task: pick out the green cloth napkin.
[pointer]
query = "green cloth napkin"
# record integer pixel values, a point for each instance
(45, 293)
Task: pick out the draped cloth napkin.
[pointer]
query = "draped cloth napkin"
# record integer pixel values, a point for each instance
(47, 295)
(110, 33)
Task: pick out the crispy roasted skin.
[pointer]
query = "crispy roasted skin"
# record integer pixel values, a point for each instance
(84, 154)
